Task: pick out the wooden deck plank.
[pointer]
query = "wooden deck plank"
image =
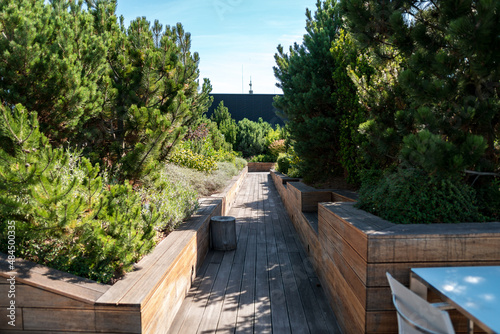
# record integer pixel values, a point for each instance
(266, 285)
(298, 321)
(229, 313)
(213, 309)
(314, 316)
(279, 314)
(198, 301)
(262, 294)
(246, 307)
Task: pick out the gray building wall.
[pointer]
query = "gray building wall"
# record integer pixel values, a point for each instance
(251, 106)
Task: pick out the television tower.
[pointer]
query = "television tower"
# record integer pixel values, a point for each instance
(251, 91)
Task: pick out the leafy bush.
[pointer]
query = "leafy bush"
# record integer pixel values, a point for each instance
(239, 163)
(251, 137)
(412, 196)
(226, 124)
(284, 162)
(290, 164)
(173, 198)
(263, 158)
(277, 147)
(187, 158)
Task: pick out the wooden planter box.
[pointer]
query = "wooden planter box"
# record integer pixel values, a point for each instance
(144, 301)
(352, 250)
(255, 167)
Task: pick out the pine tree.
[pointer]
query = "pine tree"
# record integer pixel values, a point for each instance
(64, 216)
(154, 93)
(319, 98)
(442, 57)
(50, 61)
(450, 78)
(227, 125)
(251, 138)
(35, 194)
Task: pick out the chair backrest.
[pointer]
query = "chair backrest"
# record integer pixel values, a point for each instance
(416, 315)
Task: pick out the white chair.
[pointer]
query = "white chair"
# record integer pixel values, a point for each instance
(416, 315)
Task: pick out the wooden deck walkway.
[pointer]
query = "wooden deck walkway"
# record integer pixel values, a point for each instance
(267, 285)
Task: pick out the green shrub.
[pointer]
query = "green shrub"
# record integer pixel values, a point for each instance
(277, 147)
(284, 162)
(187, 158)
(203, 183)
(173, 199)
(411, 196)
(290, 164)
(239, 163)
(251, 138)
(295, 172)
(263, 158)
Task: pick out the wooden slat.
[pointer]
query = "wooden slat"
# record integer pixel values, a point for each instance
(346, 306)
(58, 319)
(307, 198)
(324, 307)
(314, 317)
(294, 305)
(198, 301)
(29, 296)
(435, 247)
(263, 292)
(349, 263)
(118, 321)
(4, 320)
(262, 295)
(279, 314)
(55, 281)
(215, 301)
(184, 310)
(246, 306)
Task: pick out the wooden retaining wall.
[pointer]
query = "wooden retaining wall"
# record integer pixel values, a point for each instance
(254, 167)
(146, 300)
(352, 250)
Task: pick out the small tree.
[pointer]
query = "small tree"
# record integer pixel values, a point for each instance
(319, 99)
(450, 78)
(50, 61)
(227, 125)
(251, 139)
(447, 121)
(154, 92)
(64, 216)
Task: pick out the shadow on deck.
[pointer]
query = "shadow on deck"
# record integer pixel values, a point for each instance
(267, 285)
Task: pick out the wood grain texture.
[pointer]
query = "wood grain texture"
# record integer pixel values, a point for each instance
(258, 167)
(267, 285)
(58, 282)
(307, 198)
(356, 249)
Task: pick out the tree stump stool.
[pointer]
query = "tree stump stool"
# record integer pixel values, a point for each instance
(223, 232)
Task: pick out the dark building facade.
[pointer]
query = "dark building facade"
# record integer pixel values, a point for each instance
(251, 106)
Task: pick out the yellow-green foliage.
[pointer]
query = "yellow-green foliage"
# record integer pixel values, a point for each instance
(277, 147)
(187, 158)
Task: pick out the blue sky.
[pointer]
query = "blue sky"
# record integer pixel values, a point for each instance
(231, 36)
